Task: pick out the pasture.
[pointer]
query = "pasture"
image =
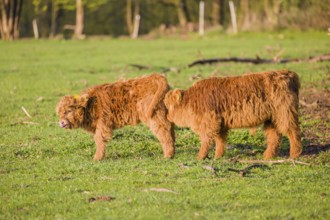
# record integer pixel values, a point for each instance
(47, 172)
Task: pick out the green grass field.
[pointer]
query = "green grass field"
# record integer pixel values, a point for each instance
(48, 173)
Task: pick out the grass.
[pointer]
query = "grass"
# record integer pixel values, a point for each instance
(48, 173)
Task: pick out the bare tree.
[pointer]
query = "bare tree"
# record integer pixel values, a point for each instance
(10, 17)
(129, 18)
(78, 31)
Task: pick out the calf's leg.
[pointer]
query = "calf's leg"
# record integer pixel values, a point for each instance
(205, 146)
(164, 131)
(273, 140)
(101, 138)
(295, 141)
(220, 142)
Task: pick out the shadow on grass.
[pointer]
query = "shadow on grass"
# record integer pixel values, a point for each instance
(315, 149)
(152, 149)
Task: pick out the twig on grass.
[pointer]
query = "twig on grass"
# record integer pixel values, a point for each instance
(211, 168)
(312, 105)
(182, 165)
(160, 190)
(24, 123)
(30, 123)
(246, 170)
(101, 198)
(26, 112)
(161, 69)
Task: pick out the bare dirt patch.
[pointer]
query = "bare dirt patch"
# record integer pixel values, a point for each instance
(315, 108)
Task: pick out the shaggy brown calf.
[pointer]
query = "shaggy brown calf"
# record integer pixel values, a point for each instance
(213, 106)
(103, 108)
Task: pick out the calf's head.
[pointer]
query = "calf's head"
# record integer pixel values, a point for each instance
(71, 111)
(172, 102)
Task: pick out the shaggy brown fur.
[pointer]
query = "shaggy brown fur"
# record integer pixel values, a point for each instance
(213, 106)
(103, 108)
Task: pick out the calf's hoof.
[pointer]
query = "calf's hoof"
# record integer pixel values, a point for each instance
(202, 157)
(168, 157)
(98, 157)
(268, 156)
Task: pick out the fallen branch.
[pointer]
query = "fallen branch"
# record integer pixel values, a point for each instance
(139, 67)
(274, 161)
(246, 170)
(258, 60)
(319, 58)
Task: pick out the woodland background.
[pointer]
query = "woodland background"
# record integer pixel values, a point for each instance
(79, 18)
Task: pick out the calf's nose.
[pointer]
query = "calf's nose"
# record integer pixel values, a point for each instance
(62, 124)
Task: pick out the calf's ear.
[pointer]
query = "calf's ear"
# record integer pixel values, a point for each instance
(177, 96)
(82, 100)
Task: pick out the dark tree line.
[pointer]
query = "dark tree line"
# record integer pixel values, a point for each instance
(9, 20)
(77, 18)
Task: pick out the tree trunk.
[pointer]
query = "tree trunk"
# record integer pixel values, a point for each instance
(10, 17)
(1, 31)
(4, 22)
(137, 8)
(272, 12)
(233, 16)
(216, 12)
(78, 32)
(276, 10)
(181, 13)
(201, 18)
(35, 28)
(44, 22)
(245, 15)
(129, 22)
(185, 10)
(182, 10)
(53, 25)
(17, 19)
(136, 27)
(223, 11)
(136, 19)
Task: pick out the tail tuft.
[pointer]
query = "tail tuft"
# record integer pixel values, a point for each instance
(162, 88)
